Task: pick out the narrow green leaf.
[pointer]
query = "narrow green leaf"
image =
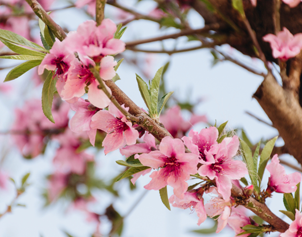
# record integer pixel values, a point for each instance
(118, 64)
(116, 78)
(46, 33)
(264, 157)
(21, 50)
(24, 179)
(164, 197)
(22, 57)
(289, 202)
(247, 155)
(209, 6)
(154, 90)
(47, 95)
(220, 139)
(221, 127)
(163, 101)
(143, 88)
(206, 231)
(193, 186)
(21, 205)
(124, 163)
(237, 4)
(244, 181)
(11, 179)
(256, 154)
(119, 31)
(19, 40)
(297, 197)
(21, 69)
(246, 139)
(131, 171)
(289, 214)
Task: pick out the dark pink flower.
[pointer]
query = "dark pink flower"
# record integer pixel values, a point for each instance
(222, 167)
(295, 228)
(238, 219)
(175, 124)
(190, 200)
(279, 181)
(284, 45)
(119, 130)
(81, 121)
(176, 166)
(199, 143)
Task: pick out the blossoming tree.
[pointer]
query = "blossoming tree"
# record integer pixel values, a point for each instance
(216, 172)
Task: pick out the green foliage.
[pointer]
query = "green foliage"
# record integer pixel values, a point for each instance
(47, 36)
(119, 31)
(117, 77)
(289, 202)
(289, 214)
(164, 197)
(131, 171)
(297, 197)
(21, 69)
(237, 4)
(47, 95)
(221, 128)
(135, 163)
(22, 57)
(193, 186)
(207, 231)
(246, 139)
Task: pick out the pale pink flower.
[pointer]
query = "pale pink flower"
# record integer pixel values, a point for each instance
(80, 77)
(199, 143)
(119, 130)
(238, 219)
(222, 167)
(57, 183)
(95, 41)
(81, 121)
(139, 174)
(190, 200)
(279, 181)
(292, 3)
(3, 180)
(157, 13)
(175, 124)
(254, 2)
(146, 147)
(5, 88)
(176, 166)
(91, 5)
(284, 45)
(295, 228)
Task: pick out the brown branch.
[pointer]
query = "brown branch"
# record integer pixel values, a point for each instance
(9, 207)
(259, 119)
(290, 165)
(187, 32)
(100, 7)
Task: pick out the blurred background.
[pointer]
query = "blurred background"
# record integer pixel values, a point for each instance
(222, 92)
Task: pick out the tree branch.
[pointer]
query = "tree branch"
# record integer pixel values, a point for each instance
(100, 7)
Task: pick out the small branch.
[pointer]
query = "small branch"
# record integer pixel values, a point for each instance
(207, 28)
(100, 7)
(136, 14)
(259, 119)
(42, 14)
(9, 207)
(290, 165)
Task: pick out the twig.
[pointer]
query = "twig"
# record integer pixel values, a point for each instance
(207, 28)
(100, 7)
(9, 207)
(259, 119)
(290, 165)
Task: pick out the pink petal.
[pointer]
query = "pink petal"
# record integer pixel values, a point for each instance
(154, 159)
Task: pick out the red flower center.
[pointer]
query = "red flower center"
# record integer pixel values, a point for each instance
(62, 67)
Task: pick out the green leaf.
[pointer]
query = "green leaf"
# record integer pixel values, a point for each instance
(164, 197)
(118, 64)
(264, 157)
(154, 90)
(219, 140)
(221, 127)
(256, 154)
(206, 231)
(116, 78)
(237, 4)
(20, 50)
(24, 179)
(19, 40)
(46, 33)
(289, 202)
(246, 139)
(209, 6)
(22, 57)
(243, 180)
(131, 171)
(193, 186)
(124, 163)
(119, 31)
(21, 205)
(297, 197)
(143, 88)
(163, 101)
(21, 69)
(289, 214)
(47, 95)
(247, 155)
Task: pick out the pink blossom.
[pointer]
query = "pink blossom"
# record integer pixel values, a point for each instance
(222, 167)
(95, 41)
(5, 88)
(157, 13)
(237, 220)
(119, 130)
(200, 143)
(175, 124)
(218, 206)
(176, 166)
(190, 200)
(139, 174)
(68, 160)
(3, 180)
(81, 121)
(58, 59)
(146, 147)
(292, 3)
(279, 181)
(91, 5)
(80, 77)
(57, 183)
(254, 2)
(284, 45)
(295, 228)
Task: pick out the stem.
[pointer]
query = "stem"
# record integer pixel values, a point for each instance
(207, 28)
(100, 7)
(259, 119)
(290, 165)
(9, 207)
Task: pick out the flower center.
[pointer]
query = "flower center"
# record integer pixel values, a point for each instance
(62, 67)
(217, 167)
(117, 126)
(202, 148)
(299, 232)
(172, 166)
